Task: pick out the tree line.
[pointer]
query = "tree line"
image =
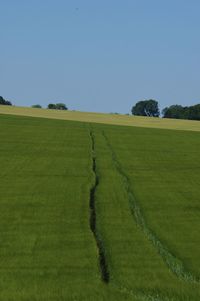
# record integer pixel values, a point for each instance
(150, 108)
(180, 112)
(52, 106)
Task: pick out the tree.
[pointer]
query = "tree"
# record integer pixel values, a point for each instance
(179, 112)
(61, 106)
(138, 109)
(37, 106)
(5, 102)
(57, 106)
(174, 111)
(146, 108)
(51, 106)
(194, 112)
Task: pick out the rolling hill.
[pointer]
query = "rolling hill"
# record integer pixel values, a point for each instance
(113, 119)
(91, 210)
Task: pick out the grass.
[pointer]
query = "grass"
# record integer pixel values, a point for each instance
(72, 192)
(112, 119)
(47, 250)
(134, 257)
(164, 175)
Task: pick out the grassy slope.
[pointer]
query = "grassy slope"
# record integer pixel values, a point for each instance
(134, 261)
(159, 166)
(47, 250)
(104, 118)
(164, 172)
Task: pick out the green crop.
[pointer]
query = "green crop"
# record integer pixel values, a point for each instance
(98, 212)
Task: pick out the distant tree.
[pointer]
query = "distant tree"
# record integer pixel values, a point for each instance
(179, 112)
(37, 106)
(164, 112)
(8, 103)
(2, 100)
(194, 112)
(51, 106)
(5, 102)
(57, 106)
(61, 106)
(174, 111)
(139, 108)
(146, 108)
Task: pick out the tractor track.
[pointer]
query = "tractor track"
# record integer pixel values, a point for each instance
(174, 264)
(93, 217)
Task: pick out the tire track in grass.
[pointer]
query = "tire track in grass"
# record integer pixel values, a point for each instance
(145, 297)
(102, 258)
(173, 263)
(93, 216)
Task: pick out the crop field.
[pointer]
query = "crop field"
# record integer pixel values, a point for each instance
(100, 212)
(102, 118)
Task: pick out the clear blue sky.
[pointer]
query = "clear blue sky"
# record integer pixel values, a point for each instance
(100, 55)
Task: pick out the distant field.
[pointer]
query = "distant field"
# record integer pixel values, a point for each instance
(97, 212)
(104, 118)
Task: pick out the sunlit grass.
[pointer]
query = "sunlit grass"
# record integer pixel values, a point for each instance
(146, 203)
(104, 118)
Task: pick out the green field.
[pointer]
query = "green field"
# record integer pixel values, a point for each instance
(112, 119)
(94, 211)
